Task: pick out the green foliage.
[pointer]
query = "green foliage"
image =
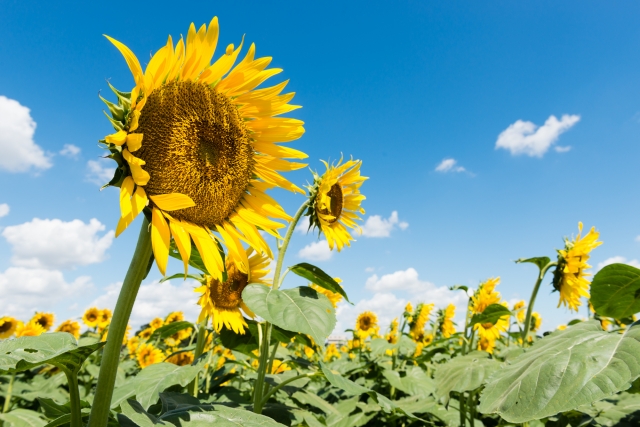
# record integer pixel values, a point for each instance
(491, 314)
(615, 291)
(166, 331)
(23, 418)
(465, 373)
(316, 275)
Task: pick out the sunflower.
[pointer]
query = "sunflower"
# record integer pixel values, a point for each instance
(145, 333)
(408, 313)
(182, 359)
(334, 297)
(421, 318)
(148, 355)
(486, 344)
(205, 149)
(156, 323)
(91, 317)
(491, 330)
(309, 352)
(8, 326)
(447, 328)
(279, 367)
(485, 296)
(536, 321)
(519, 308)
(334, 201)
(43, 319)
(392, 336)
(367, 324)
(175, 339)
(125, 339)
(331, 353)
(222, 300)
(69, 326)
(29, 329)
(569, 277)
(104, 318)
(175, 316)
(132, 345)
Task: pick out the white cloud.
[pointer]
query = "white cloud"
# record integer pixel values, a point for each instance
(562, 148)
(100, 171)
(385, 305)
(619, 260)
(70, 150)
(303, 225)
(449, 165)
(4, 209)
(316, 251)
(155, 300)
(19, 152)
(376, 226)
(52, 243)
(404, 280)
(370, 269)
(637, 238)
(26, 290)
(527, 138)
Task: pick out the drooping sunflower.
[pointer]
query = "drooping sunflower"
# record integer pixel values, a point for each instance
(43, 319)
(569, 277)
(196, 146)
(447, 328)
(221, 300)
(69, 326)
(148, 355)
(29, 329)
(421, 318)
(334, 297)
(91, 317)
(366, 324)
(334, 202)
(485, 295)
(8, 326)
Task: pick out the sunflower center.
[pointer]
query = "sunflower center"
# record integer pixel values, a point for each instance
(228, 295)
(195, 143)
(487, 325)
(335, 206)
(42, 322)
(5, 327)
(365, 323)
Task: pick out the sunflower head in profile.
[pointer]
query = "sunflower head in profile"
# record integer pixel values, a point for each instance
(196, 147)
(569, 277)
(392, 335)
(148, 355)
(43, 319)
(221, 300)
(29, 329)
(8, 326)
(520, 311)
(91, 317)
(70, 326)
(421, 318)
(334, 202)
(536, 321)
(447, 327)
(366, 325)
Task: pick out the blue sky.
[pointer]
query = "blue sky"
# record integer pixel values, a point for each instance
(403, 86)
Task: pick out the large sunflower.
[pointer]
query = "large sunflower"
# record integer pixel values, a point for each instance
(335, 201)
(222, 300)
(196, 146)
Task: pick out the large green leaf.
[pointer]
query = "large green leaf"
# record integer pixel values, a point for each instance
(463, 373)
(491, 314)
(563, 371)
(615, 291)
(220, 416)
(299, 309)
(150, 381)
(58, 348)
(414, 383)
(316, 275)
(134, 414)
(420, 405)
(22, 418)
(541, 262)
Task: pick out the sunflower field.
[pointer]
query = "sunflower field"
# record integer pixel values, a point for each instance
(195, 149)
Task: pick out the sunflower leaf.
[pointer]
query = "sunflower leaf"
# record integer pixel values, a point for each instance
(299, 309)
(541, 262)
(562, 371)
(491, 314)
(166, 331)
(195, 260)
(463, 374)
(217, 415)
(615, 291)
(22, 418)
(316, 275)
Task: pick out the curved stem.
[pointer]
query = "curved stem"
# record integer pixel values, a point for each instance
(74, 398)
(106, 379)
(536, 287)
(7, 397)
(284, 383)
(285, 244)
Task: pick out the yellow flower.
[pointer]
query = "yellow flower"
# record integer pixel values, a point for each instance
(176, 316)
(536, 321)
(279, 367)
(486, 344)
(492, 331)
(485, 296)
(91, 317)
(562, 327)
(156, 323)
(309, 352)
(105, 318)
(419, 348)
(148, 355)
(43, 319)
(196, 146)
(182, 359)
(521, 313)
(335, 202)
(447, 328)
(222, 301)
(133, 344)
(569, 277)
(8, 326)
(604, 322)
(30, 329)
(125, 339)
(422, 317)
(367, 324)
(70, 326)
(175, 339)
(334, 297)
(392, 336)
(331, 353)
(145, 334)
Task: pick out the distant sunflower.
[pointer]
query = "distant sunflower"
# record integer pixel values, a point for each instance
(29, 329)
(222, 300)
(335, 202)
(421, 318)
(205, 149)
(8, 326)
(148, 355)
(43, 319)
(492, 331)
(175, 316)
(486, 344)
(132, 344)
(485, 295)
(392, 336)
(182, 359)
(331, 353)
(447, 328)
(366, 324)
(334, 297)
(145, 333)
(536, 321)
(104, 318)
(91, 317)
(69, 326)
(569, 277)
(156, 323)
(521, 313)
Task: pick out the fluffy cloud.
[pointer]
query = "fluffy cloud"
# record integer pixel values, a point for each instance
(155, 300)
(385, 305)
(449, 165)
(316, 251)
(618, 260)
(527, 138)
(19, 152)
(4, 209)
(52, 243)
(303, 225)
(26, 290)
(100, 171)
(403, 280)
(376, 226)
(70, 150)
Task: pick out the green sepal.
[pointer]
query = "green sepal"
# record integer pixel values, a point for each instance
(123, 97)
(118, 126)
(117, 112)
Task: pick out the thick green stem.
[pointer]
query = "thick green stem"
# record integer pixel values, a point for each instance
(74, 398)
(534, 294)
(7, 397)
(200, 342)
(111, 356)
(463, 417)
(285, 244)
(284, 383)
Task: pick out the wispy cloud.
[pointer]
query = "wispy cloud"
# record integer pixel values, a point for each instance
(527, 138)
(449, 165)
(100, 171)
(70, 150)
(376, 226)
(316, 251)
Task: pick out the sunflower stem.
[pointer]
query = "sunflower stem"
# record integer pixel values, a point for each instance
(536, 287)
(284, 383)
(7, 397)
(111, 356)
(285, 243)
(74, 398)
(200, 342)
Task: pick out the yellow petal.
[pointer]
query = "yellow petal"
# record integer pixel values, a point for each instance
(160, 239)
(173, 201)
(140, 176)
(123, 223)
(183, 242)
(131, 159)
(133, 125)
(208, 250)
(132, 61)
(138, 201)
(134, 141)
(117, 138)
(126, 191)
